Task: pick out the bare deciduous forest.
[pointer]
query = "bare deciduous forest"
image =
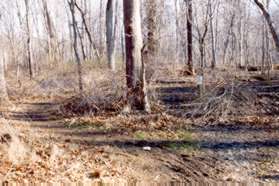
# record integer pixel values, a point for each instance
(139, 91)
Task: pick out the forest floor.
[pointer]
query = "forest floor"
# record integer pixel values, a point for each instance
(160, 147)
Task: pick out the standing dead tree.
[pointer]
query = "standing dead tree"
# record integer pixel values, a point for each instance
(135, 68)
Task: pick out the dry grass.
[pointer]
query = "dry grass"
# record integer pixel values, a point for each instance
(11, 145)
(62, 82)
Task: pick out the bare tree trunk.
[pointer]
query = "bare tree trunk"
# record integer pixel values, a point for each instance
(216, 30)
(263, 62)
(227, 40)
(177, 39)
(80, 36)
(3, 90)
(152, 44)
(75, 43)
(202, 37)
(135, 69)
(28, 42)
(52, 43)
(269, 57)
(241, 7)
(190, 35)
(123, 53)
(101, 29)
(111, 32)
(269, 23)
(92, 44)
(213, 63)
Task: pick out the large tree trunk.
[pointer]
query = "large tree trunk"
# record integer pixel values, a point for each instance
(135, 69)
(111, 32)
(269, 23)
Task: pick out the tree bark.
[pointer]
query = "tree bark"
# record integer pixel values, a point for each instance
(177, 39)
(190, 35)
(111, 33)
(213, 62)
(135, 68)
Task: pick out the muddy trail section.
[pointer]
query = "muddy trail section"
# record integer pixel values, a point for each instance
(104, 148)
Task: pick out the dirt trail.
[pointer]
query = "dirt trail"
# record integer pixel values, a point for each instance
(45, 125)
(37, 111)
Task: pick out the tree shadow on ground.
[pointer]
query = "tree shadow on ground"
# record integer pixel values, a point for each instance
(270, 177)
(119, 136)
(96, 135)
(208, 145)
(235, 128)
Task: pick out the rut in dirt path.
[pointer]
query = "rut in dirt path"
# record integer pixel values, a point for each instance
(176, 96)
(34, 112)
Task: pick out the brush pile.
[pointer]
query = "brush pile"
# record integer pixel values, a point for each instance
(238, 99)
(103, 94)
(88, 104)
